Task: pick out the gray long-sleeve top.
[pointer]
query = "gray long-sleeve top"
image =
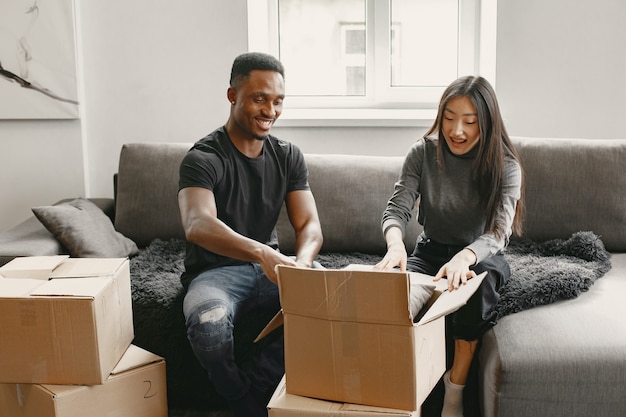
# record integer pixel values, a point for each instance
(450, 210)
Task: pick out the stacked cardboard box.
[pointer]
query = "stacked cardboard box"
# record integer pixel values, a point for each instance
(350, 339)
(283, 404)
(66, 326)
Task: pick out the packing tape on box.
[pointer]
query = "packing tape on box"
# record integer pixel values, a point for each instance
(20, 395)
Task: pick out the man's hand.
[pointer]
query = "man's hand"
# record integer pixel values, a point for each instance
(202, 227)
(270, 259)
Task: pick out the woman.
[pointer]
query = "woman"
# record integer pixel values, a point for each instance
(468, 178)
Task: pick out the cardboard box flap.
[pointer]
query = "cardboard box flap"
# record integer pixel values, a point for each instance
(58, 391)
(450, 301)
(88, 267)
(34, 267)
(17, 287)
(276, 321)
(135, 357)
(346, 295)
(86, 287)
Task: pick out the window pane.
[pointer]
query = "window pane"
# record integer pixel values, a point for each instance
(424, 44)
(322, 45)
(355, 81)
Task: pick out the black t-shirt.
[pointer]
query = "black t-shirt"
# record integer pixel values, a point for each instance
(249, 192)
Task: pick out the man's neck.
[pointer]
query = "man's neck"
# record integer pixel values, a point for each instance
(247, 145)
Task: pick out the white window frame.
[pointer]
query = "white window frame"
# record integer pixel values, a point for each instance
(388, 106)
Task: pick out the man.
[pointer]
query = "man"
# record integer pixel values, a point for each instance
(232, 185)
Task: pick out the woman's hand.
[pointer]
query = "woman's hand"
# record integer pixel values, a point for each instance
(457, 269)
(396, 251)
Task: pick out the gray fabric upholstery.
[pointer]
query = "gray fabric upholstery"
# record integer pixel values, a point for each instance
(574, 185)
(31, 238)
(567, 359)
(351, 192)
(147, 207)
(84, 230)
(146, 204)
(571, 185)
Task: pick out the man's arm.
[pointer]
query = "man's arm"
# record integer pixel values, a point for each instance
(202, 227)
(306, 224)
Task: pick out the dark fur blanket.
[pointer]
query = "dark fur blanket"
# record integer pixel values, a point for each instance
(542, 273)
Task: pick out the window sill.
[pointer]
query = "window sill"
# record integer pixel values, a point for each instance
(357, 118)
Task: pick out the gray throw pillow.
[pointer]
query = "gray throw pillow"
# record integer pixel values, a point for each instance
(84, 230)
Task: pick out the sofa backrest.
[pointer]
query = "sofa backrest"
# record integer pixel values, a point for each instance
(571, 185)
(575, 185)
(146, 204)
(350, 191)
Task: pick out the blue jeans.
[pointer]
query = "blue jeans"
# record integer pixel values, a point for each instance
(216, 299)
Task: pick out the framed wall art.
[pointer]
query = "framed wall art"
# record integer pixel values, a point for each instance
(38, 60)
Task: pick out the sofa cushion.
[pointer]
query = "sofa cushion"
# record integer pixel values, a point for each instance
(351, 193)
(146, 205)
(574, 185)
(563, 359)
(84, 230)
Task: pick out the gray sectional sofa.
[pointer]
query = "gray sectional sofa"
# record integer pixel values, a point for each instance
(564, 359)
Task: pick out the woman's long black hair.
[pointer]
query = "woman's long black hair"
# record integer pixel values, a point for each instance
(493, 146)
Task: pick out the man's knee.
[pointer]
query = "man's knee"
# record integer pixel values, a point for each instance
(209, 326)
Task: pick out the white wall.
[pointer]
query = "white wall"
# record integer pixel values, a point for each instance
(561, 67)
(40, 163)
(157, 71)
(154, 71)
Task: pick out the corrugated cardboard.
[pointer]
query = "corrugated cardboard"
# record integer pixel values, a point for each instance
(283, 404)
(136, 387)
(350, 336)
(71, 329)
(33, 267)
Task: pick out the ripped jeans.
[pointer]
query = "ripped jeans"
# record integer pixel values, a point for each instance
(215, 301)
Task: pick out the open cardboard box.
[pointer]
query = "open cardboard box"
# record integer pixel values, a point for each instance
(72, 328)
(136, 387)
(350, 335)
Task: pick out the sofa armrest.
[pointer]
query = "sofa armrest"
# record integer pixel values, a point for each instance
(31, 238)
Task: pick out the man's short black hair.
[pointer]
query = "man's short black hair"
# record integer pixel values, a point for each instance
(245, 63)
